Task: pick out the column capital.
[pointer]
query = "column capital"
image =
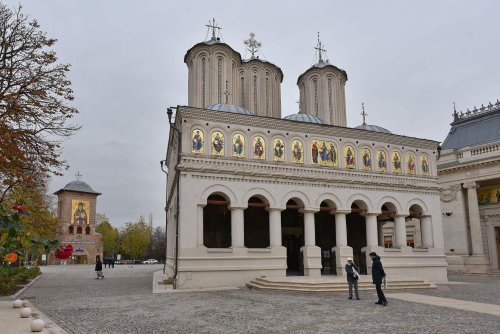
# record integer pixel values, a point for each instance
(341, 212)
(309, 210)
(400, 215)
(237, 208)
(371, 213)
(274, 209)
(471, 185)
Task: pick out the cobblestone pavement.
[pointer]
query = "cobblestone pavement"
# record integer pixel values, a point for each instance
(123, 303)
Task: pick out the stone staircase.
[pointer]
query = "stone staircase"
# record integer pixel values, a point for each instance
(490, 273)
(332, 284)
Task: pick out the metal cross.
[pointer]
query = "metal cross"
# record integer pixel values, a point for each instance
(253, 45)
(78, 176)
(363, 113)
(320, 50)
(212, 25)
(226, 93)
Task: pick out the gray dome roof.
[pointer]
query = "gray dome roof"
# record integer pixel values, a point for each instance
(374, 128)
(78, 186)
(229, 108)
(305, 118)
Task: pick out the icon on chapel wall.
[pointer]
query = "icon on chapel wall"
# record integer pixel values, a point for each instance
(297, 151)
(259, 148)
(410, 164)
(238, 145)
(366, 159)
(324, 153)
(488, 196)
(396, 162)
(314, 152)
(381, 161)
(197, 141)
(217, 143)
(80, 211)
(349, 157)
(279, 149)
(424, 165)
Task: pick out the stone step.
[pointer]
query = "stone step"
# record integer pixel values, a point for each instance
(254, 285)
(331, 285)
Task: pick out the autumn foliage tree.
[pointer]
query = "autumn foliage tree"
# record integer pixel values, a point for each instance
(35, 98)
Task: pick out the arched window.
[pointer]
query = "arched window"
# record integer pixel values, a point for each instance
(330, 97)
(255, 94)
(87, 230)
(219, 79)
(70, 230)
(256, 224)
(216, 223)
(316, 102)
(79, 230)
(203, 80)
(267, 97)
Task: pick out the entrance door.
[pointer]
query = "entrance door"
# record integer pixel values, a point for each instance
(292, 235)
(497, 235)
(324, 223)
(356, 237)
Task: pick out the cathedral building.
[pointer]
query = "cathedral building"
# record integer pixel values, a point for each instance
(469, 173)
(76, 216)
(253, 194)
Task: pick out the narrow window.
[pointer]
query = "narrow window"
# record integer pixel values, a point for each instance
(219, 79)
(267, 96)
(316, 104)
(330, 97)
(255, 94)
(203, 80)
(243, 92)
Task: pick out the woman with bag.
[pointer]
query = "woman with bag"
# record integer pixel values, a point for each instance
(352, 277)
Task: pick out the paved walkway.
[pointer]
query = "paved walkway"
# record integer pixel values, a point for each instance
(12, 323)
(124, 303)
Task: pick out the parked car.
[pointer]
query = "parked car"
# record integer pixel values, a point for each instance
(150, 261)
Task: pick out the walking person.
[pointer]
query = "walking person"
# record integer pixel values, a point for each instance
(105, 262)
(112, 262)
(98, 267)
(378, 275)
(352, 277)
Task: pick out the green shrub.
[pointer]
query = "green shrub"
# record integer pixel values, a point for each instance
(11, 277)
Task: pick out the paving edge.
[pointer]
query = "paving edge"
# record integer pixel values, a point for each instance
(17, 294)
(50, 326)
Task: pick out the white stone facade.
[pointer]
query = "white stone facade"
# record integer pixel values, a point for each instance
(311, 186)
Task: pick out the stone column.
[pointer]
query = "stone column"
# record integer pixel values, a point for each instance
(426, 228)
(237, 228)
(475, 225)
(340, 229)
(342, 251)
(371, 229)
(310, 252)
(199, 226)
(400, 227)
(380, 228)
(275, 227)
(309, 230)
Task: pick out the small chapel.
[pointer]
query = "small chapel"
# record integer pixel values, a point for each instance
(76, 217)
(252, 193)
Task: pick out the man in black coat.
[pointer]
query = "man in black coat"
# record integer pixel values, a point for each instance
(378, 274)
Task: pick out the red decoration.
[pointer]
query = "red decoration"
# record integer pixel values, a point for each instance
(65, 252)
(11, 257)
(19, 208)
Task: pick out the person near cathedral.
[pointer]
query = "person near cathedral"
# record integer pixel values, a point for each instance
(378, 275)
(98, 267)
(352, 277)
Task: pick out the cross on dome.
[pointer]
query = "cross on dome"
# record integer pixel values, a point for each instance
(252, 44)
(78, 176)
(363, 113)
(320, 49)
(213, 25)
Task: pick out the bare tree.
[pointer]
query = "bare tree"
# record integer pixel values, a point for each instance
(34, 97)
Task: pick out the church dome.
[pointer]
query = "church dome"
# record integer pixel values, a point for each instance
(305, 118)
(78, 186)
(229, 108)
(374, 128)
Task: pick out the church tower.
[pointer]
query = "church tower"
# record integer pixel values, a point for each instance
(260, 83)
(322, 91)
(213, 72)
(76, 215)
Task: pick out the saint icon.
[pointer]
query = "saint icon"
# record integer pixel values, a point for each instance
(80, 215)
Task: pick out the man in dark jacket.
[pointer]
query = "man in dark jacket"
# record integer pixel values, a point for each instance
(378, 274)
(98, 267)
(352, 277)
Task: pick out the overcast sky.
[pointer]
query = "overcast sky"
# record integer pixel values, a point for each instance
(408, 61)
